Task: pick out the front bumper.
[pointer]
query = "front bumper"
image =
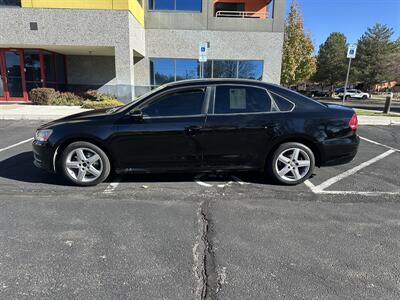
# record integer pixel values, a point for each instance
(43, 156)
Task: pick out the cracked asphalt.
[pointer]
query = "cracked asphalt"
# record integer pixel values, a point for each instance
(222, 237)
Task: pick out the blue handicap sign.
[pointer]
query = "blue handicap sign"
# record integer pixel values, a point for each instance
(351, 51)
(203, 49)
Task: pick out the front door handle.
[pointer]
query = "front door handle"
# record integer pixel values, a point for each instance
(270, 125)
(192, 130)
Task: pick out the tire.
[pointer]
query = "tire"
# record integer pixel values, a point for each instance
(347, 97)
(85, 164)
(364, 97)
(289, 170)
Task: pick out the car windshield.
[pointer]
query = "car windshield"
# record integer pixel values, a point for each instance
(126, 106)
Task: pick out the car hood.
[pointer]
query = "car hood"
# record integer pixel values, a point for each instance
(97, 114)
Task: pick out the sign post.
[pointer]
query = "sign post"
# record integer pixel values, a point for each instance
(203, 49)
(351, 53)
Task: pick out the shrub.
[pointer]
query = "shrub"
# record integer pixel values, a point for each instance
(101, 104)
(42, 96)
(67, 99)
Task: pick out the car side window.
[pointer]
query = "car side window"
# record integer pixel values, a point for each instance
(241, 99)
(283, 104)
(179, 103)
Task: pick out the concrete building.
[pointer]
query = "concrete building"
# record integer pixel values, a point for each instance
(126, 47)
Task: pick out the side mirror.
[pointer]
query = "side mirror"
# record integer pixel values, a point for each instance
(136, 115)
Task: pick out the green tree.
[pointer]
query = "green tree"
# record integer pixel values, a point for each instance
(298, 62)
(331, 60)
(374, 47)
(392, 62)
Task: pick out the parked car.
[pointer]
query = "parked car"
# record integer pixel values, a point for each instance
(201, 126)
(356, 94)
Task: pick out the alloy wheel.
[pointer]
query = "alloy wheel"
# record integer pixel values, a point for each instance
(293, 164)
(84, 165)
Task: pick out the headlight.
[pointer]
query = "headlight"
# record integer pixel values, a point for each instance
(43, 135)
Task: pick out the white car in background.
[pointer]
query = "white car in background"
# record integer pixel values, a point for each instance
(356, 94)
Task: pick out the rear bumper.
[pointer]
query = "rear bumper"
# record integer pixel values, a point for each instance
(339, 151)
(43, 156)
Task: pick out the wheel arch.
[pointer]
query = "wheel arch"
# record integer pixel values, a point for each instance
(64, 144)
(298, 139)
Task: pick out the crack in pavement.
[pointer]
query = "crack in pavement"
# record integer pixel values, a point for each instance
(204, 266)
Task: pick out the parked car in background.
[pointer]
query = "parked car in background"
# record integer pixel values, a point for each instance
(354, 94)
(201, 126)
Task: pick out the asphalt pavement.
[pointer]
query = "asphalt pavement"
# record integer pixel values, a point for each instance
(191, 236)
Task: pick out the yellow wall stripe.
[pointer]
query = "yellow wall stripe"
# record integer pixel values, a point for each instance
(132, 5)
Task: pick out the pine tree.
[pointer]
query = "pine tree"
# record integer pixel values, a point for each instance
(331, 60)
(298, 63)
(374, 47)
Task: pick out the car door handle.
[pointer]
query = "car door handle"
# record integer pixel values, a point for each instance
(191, 130)
(270, 125)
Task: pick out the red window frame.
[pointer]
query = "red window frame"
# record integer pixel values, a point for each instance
(43, 81)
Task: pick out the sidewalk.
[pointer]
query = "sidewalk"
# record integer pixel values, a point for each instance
(39, 112)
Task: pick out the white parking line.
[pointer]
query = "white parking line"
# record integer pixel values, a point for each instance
(112, 186)
(199, 182)
(16, 145)
(352, 171)
(198, 177)
(379, 144)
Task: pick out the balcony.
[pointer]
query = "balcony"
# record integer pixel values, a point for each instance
(250, 9)
(245, 15)
(241, 14)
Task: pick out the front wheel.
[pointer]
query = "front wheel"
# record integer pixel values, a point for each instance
(365, 97)
(85, 164)
(292, 163)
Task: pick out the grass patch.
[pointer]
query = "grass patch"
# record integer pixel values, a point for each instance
(374, 113)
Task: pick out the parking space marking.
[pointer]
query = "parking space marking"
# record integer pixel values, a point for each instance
(238, 180)
(352, 171)
(112, 186)
(16, 145)
(379, 144)
(198, 177)
(199, 182)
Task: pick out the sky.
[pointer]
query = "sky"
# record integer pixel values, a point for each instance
(351, 17)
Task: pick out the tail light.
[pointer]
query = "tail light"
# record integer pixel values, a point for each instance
(353, 124)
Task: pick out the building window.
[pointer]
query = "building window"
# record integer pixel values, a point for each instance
(49, 64)
(10, 2)
(164, 70)
(183, 5)
(250, 69)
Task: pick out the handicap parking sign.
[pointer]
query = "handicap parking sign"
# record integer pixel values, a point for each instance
(351, 51)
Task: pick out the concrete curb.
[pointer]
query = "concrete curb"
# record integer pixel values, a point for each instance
(37, 112)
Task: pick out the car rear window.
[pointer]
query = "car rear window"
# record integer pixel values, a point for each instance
(241, 99)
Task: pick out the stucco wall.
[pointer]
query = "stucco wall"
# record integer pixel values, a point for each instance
(266, 46)
(80, 28)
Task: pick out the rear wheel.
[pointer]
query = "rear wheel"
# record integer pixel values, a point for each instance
(85, 164)
(347, 97)
(292, 163)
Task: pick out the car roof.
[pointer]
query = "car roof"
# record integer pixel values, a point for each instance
(191, 82)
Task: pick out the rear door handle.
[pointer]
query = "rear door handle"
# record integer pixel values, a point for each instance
(192, 130)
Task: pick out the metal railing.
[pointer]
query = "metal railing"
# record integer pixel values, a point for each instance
(241, 14)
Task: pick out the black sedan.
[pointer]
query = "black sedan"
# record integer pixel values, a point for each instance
(201, 126)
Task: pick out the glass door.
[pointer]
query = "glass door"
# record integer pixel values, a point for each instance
(2, 78)
(12, 74)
